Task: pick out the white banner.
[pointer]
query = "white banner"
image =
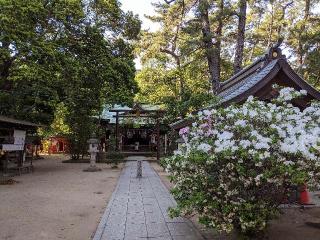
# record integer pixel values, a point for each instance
(12, 147)
(19, 137)
(19, 141)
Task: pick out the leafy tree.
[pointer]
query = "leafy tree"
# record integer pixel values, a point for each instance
(191, 48)
(29, 63)
(78, 53)
(173, 59)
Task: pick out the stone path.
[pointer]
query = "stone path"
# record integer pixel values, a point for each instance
(138, 210)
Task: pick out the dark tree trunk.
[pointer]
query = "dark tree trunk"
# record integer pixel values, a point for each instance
(237, 66)
(173, 51)
(282, 17)
(218, 36)
(301, 53)
(6, 63)
(212, 50)
(307, 9)
(269, 44)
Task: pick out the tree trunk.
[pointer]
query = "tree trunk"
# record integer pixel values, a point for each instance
(269, 44)
(241, 36)
(218, 38)
(282, 17)
(176, 57)
(307, 10)
(212, 50)
(301, 54)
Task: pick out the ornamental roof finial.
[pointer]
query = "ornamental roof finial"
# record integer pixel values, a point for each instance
(275, 52)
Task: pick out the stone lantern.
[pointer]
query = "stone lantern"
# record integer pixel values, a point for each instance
(93, 150)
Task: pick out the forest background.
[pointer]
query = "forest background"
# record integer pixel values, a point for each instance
(64, 61)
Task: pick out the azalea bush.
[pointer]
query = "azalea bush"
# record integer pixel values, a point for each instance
(238, 164)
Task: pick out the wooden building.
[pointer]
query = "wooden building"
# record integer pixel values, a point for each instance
(16, 145)
(257, 80)
(136, 129)
(58, 144)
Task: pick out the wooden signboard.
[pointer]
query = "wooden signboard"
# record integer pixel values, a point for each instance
(19, 141)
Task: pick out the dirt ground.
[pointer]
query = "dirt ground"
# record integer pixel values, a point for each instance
(57, 201)
(60, 201)
(293, 224)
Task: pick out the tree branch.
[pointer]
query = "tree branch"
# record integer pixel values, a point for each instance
(173, 54)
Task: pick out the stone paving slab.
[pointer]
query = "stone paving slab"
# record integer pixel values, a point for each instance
(138, 207)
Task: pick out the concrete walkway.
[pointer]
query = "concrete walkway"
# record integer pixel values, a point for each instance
(138, 210)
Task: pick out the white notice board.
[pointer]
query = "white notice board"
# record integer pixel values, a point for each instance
(19, 141)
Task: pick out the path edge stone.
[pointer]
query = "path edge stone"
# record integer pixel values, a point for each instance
(103, 220)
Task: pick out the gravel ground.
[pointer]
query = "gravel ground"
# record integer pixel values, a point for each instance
(57, 201)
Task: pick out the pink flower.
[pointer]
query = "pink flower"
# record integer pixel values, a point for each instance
(184, 131)
(204, 125)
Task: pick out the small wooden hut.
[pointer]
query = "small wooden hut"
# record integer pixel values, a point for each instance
(16, 150)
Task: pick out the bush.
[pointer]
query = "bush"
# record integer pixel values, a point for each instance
(239, 163)
(114, 158)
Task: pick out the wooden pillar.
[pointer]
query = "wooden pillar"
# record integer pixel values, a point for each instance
(158, 138)
(21, 158)
(31, 159)
(117, 131)
(165, 144)
(6, 162)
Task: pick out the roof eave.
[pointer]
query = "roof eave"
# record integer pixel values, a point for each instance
(23, 123)
(181, 124)
(298, 80)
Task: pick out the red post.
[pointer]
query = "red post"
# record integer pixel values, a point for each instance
(304, 196)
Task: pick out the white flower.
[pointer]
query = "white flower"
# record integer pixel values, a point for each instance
(252, 113)
(266, 154)
(258, 177)
(206, 112)
(303, 92)
(226, 135)
(177, 152)
(250, 99)
(288, 163)
(241, 123)
(244, 143)
(261, 145)
(204, 147)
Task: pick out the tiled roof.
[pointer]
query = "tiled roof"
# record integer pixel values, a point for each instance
(107, 115)
(250, 80)
(109, 112)
(246, 83)
(150, 107)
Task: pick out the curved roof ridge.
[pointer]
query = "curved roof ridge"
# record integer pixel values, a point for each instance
(245, 69)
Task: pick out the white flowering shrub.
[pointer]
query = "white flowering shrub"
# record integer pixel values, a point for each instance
(238, 164)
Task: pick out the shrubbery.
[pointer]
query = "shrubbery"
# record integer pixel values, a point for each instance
(239, 163)
(114, 158)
